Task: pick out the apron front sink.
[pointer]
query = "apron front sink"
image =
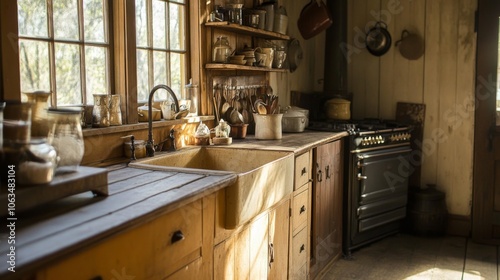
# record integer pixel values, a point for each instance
(263, 177)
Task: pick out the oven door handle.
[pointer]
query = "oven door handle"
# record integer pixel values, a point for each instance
(365, 156)
(361, 177)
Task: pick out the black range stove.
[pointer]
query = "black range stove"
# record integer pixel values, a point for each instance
(375, 180)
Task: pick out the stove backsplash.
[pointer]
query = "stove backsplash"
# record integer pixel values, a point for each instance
(315, 102)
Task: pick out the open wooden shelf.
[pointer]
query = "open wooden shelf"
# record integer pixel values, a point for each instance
(227, 66)
(233, 27)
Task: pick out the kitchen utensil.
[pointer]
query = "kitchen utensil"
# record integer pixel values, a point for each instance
(378, 39)
(261, 108)
(338, 109)
(238, 131)
(294, 54)
(293, 121)
(295, 109)
(235, 117)
(181, 114)
(280, 23)
(314, 18)
(143, 113)
(411, 46)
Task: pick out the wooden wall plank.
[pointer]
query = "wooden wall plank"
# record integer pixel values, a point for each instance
(463, 139)
(431, 91)
(442, 79)
(447, 156)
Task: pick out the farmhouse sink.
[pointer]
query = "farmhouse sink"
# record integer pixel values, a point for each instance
(263, 177)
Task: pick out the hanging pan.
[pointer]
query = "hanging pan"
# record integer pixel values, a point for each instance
(378, 39)
(411, 46)
(314, 18)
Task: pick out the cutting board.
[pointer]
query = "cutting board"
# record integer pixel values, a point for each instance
(63, 185)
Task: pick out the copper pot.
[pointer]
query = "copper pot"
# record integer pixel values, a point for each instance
(338, 109)
(314, 18)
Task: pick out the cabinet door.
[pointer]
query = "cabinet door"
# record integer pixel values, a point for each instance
(279, 224)
(327, 206)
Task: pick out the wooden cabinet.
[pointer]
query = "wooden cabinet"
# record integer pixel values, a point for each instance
(327, 205)
(258, 250)
(300, 219)
(170, 245)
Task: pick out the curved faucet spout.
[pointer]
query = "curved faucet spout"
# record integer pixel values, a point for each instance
(150, 150)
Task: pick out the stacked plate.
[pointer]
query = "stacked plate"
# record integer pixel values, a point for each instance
(249, 56)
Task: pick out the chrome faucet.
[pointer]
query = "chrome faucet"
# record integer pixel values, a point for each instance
(150, 150)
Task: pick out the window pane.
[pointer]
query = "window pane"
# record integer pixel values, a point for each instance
(177, 79)
(95, 69)
(142, 75)
(68, 83)
(179, 1)
(94, 20)
(34, 63)
(66, 19)
(160, 72)
(159, 30)
(141, 22)
(177, 30)
(32, 18)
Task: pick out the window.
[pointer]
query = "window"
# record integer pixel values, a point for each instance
(161, 46)
(64, 48)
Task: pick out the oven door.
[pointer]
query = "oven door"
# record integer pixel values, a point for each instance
(382, 177)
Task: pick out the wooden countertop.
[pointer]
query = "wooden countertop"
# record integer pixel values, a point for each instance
(136, 196)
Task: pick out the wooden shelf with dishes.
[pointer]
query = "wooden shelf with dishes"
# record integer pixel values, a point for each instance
(242, 29)
(228, 66)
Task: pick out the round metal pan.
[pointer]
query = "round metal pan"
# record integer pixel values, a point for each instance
(378, 39)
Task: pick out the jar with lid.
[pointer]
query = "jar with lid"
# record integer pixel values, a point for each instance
(222, 50)
(37, 162)
(67, 138)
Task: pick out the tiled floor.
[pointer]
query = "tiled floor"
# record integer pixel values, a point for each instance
(404, 256)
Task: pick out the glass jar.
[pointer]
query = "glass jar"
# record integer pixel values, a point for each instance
(221, 50)
(67, 138)
(100, 112)
(115, 113)
(37, 162)
(39, 118)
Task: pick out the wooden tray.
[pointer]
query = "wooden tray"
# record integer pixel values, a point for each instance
(63, 185)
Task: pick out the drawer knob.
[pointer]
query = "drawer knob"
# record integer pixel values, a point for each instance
(304, 171)
(178, 236)
(302, 209)
(302, 248)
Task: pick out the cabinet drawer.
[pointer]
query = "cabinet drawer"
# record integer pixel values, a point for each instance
(299, 250)
(151, 251)
(302, 169)
(300, 210)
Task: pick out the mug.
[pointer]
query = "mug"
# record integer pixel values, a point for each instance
(279, 59)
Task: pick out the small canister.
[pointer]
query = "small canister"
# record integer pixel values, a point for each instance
(140, 149)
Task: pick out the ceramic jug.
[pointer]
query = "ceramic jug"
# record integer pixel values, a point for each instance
(39, 123)
(100, 112)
